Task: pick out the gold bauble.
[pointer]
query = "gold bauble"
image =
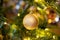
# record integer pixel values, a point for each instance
(51, 14)
(30, 22)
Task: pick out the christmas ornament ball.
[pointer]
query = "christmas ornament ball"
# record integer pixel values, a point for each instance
(30, 22)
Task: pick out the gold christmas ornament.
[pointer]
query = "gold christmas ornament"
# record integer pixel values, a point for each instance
(32, 19)
(30, 22)
(51, 14)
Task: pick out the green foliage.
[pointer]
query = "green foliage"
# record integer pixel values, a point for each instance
(21, 31)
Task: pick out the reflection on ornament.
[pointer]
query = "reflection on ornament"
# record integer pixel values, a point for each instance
(38, 8)
(48, 33)
(37, 36)
(57, 18)
(30, 22)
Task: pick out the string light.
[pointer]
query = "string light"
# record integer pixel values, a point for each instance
(54, 37)
(18, 14)
(47, 29)
(17, 7)
(37, 36)
(38, 0)
(38, 8)
(5, 22)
